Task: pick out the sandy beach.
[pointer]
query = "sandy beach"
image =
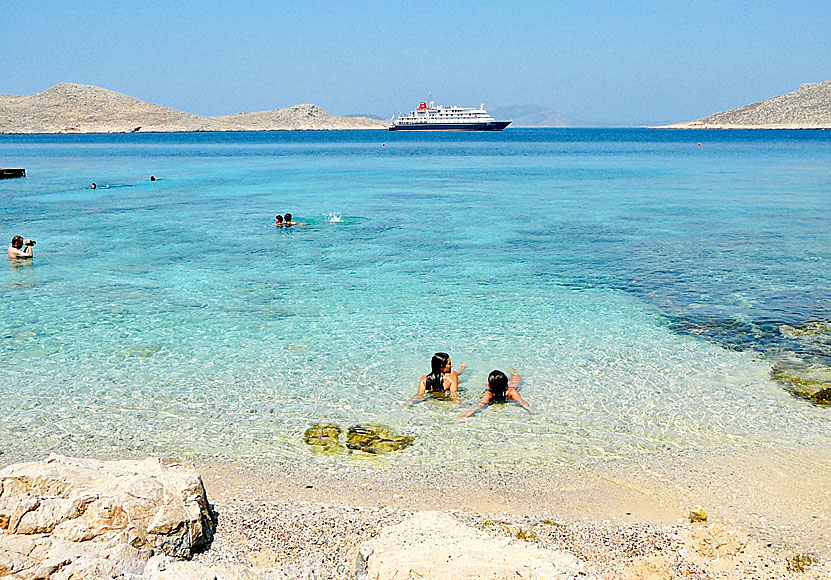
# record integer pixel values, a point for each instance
(622, 520)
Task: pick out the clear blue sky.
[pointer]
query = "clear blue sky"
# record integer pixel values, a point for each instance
(611, 62)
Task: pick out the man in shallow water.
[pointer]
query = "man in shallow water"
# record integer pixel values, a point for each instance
(20, 248)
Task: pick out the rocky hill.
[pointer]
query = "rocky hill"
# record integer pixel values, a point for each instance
(298, 117)
(807, 108)
(73, 108)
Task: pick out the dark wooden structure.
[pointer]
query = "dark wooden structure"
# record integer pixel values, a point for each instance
(9, 173)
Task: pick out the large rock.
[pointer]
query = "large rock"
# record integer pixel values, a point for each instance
(436, 546)
(83, 518)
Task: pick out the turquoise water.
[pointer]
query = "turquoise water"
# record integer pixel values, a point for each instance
(637, 280)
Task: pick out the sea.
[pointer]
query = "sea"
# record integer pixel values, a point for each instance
(659, 291)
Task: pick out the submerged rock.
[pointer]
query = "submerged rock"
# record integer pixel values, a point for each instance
(324, 437)
(140, 350)
(375, 439)
(814, 329)
(810, 382)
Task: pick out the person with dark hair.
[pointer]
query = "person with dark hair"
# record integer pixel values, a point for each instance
(500, 390)
(442, 381)
(278, 221)
(20, 248)
(288, 220)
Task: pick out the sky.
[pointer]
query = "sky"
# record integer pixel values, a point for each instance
(620, 63)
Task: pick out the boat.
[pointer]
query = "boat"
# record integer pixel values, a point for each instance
(432, 118)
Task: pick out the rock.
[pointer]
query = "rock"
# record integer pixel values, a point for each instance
(799, 562)
(375, 439)
(139, 350)
(324, 438)
(83, 518)
(434, 545)
(697, 514)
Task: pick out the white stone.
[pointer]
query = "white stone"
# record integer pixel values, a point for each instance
(435, 545)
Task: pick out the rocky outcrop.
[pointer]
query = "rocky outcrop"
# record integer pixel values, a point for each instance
(434, 545)
(82, 518)
(807, 108)
(298, 118)
(74, 108)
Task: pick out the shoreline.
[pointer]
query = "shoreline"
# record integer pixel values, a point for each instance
(622, 519)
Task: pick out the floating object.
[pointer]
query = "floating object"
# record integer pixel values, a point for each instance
(11, 173)
(438, 118)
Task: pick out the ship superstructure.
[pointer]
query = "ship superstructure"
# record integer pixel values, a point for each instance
(437, 118)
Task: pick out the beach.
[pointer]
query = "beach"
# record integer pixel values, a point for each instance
(616, 518)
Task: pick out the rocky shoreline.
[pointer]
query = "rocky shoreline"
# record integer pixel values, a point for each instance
(81, 109)
(765, 516)
(809, 107)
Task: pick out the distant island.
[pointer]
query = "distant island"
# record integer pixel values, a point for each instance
(807, 108)
(74, 108)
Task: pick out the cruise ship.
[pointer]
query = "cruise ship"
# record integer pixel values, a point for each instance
(432, 118)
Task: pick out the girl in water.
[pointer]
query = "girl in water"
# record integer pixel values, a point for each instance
(442, 380)
(500, 390)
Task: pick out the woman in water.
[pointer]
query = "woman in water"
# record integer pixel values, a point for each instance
(500, 390)
(442, 380)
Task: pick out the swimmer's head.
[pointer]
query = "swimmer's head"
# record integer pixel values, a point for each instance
(498, 383)
(93, 186)
(439, 362)
(288, 218)
(17, 242)
(279, 219)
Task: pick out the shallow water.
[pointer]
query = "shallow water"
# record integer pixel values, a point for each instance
(637, 280)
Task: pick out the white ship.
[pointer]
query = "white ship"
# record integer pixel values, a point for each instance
(432, 118)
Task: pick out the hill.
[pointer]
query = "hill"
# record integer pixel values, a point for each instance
(298, 117)
(73, 108)
(806, 108)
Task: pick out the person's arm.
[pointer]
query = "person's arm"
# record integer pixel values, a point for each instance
(461, 369)
(514, 395)
(26, 252)
(486, 398)
(422, 387)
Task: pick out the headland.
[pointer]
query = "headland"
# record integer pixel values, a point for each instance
(809, 107)
(74, 108)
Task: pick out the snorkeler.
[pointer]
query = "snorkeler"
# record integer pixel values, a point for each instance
(442, 380)
(500, 390)
(278, 221)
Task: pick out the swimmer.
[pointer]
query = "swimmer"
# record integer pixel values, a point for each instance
(500, 390)
(93, 186)
(442, 380)
(20, 248)
(152, 178)
(278, 221)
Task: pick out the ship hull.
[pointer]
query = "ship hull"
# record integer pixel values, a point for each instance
(492, 126)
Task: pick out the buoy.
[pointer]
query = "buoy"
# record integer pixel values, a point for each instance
(699, 144)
